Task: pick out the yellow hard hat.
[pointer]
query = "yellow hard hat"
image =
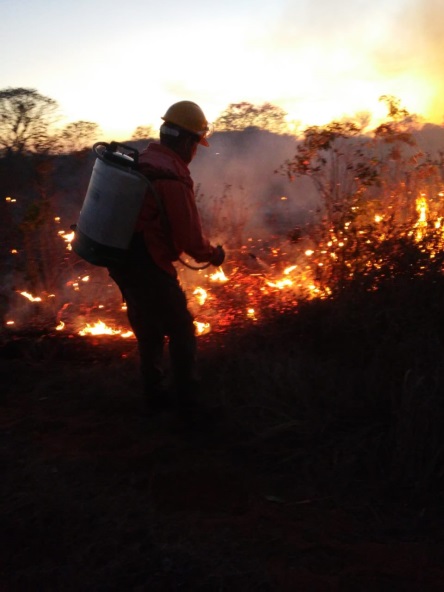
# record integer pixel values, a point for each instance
(190, 117)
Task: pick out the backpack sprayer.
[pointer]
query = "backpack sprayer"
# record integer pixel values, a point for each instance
(113, 200)
(112, 203)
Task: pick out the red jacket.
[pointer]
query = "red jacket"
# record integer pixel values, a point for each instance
(172, 181)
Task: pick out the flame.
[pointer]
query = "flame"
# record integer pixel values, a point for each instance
(127, 334)
(201, 295)
(280, 284)
(100, 328)
(285, 282)
(202, 328)
(30, 297)
(67, 236)
(245, 295)
(421, 224)
(219, 276)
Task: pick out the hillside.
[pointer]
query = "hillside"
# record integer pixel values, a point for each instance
(319, 468)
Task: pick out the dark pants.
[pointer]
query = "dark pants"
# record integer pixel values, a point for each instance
(157, 308)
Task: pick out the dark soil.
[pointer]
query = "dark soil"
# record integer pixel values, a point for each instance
(96, 495)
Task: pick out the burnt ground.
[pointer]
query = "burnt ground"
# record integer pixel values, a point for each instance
(95, 495)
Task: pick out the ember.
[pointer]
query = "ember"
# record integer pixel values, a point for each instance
(201, 295)
(202, 328)
(100, 328)
(251, 286)
(30, 297)
(219, 276)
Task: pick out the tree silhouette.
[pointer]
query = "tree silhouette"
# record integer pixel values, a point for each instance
(239, 116)
(25, 119)
(78, 135)
(334, 158)
(143, 132)
(343, 163)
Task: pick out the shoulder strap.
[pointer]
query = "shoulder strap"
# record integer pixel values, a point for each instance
(162, 210)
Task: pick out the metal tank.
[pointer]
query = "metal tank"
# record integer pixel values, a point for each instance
(112, 203)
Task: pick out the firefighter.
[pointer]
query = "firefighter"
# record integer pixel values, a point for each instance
(156, 304)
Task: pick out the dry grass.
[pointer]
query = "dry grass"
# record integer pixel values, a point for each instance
(328, 446)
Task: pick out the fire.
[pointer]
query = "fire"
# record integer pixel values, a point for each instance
(421, 224)
(286, 282)
(100, 328)
(268, 283)
(289, 269)
(127, 334)
(219, 276)
(67, 237)
(202, 328)
(30, 297)
(280, 284)
(201, 295)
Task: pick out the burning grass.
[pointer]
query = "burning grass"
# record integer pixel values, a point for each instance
(322, 361)
(329, 438)
(327, 354)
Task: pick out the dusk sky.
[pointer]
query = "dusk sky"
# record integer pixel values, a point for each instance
(121, 64)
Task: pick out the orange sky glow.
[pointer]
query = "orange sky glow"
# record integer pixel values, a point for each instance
(122, 68)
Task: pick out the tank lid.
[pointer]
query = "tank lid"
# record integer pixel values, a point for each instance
(110, 153)
(119, 158)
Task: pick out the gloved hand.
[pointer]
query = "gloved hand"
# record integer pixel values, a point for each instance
(218, 256)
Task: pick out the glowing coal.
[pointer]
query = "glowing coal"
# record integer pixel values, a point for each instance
(246, 290)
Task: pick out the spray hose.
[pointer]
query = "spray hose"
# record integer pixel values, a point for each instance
(195, 267)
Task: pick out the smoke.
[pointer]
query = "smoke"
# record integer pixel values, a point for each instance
(239, 197)
(243, 203)
(239, 193)
(352, 52)
(325, 24)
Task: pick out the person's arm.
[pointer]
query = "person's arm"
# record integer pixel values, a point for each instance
(185, 224)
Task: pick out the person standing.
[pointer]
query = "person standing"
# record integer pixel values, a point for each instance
(168, 225)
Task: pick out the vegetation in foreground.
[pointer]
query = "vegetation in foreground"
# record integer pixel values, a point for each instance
(323, 467)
